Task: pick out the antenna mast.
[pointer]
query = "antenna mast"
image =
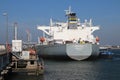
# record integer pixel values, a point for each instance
(68, 11)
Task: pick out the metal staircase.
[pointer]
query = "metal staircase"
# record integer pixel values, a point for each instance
(17, 55)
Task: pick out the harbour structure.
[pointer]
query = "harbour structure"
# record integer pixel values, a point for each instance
(5, 62)
(71, 39)
(25, 58)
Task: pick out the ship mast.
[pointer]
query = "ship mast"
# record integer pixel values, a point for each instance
(51, 24)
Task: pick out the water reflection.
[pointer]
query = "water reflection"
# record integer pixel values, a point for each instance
(105, 69)
(23, 76)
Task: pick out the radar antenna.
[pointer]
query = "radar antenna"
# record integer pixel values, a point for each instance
(68, 11)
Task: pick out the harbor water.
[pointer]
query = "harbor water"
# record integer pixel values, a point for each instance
(100, 69)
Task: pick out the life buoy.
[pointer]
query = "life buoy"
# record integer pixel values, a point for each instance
(32, 52)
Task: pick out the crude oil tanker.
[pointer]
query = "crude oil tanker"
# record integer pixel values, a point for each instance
(68, 40)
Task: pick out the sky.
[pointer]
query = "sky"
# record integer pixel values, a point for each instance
(30, 13)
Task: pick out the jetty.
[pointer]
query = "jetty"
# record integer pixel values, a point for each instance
(25, 59)
(5, 62)
(20, 58)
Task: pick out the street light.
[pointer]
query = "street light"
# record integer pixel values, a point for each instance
(6, 15)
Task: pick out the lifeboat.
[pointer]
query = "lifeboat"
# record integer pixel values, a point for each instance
(97, 39)
(42, 39)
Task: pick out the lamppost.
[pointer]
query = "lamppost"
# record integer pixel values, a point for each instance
(6, 15)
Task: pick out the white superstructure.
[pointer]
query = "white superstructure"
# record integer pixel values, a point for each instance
(72, 30)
